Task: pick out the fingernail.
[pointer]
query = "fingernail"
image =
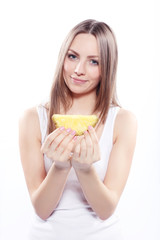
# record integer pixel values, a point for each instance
(61, 128)
(75, 137)
(73, 132)
(90, 127)
(68, 130)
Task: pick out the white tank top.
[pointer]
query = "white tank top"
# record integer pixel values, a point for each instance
(74, 218)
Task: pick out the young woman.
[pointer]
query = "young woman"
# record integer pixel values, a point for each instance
(75, 195)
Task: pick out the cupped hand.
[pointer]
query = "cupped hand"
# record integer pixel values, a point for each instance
(58, 146)
(87, 151)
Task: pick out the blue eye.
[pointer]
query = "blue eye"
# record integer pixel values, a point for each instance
(72, 56)
(94, 62)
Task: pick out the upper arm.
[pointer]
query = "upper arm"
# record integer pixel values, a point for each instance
(125, 131)
(30, 144)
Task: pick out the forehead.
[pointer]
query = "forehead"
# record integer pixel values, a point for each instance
(85, 43)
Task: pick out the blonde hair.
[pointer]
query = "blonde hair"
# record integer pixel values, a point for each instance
(106, 89)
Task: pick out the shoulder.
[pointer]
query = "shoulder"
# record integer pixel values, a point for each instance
(29, 116)
(126, 116)
(29, 122)
(125, 123)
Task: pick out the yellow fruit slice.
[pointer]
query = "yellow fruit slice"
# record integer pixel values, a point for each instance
(79, 123)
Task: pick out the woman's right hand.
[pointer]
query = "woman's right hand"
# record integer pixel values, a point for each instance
(58, 147)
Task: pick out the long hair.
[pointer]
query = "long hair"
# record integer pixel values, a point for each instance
(61, 95)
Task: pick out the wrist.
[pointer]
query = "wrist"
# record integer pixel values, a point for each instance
(81, 167)
(61, 166)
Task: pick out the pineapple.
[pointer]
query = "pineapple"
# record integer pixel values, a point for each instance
(79, 123)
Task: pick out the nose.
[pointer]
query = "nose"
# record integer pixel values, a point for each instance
(80, 68)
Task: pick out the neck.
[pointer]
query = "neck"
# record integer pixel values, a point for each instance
(83, 105)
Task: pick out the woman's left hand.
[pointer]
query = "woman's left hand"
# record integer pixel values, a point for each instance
(87, 151)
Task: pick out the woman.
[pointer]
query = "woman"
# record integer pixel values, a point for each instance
(75, 195)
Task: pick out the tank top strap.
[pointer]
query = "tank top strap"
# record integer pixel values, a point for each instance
(107, 135)
(111, 120)
(43, 120)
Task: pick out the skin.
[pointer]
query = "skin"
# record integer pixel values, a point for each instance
(82, 65)
(46, 189)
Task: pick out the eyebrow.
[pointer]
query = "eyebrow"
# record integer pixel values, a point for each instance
(90, 56)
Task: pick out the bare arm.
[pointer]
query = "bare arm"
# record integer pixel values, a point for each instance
(104, 196)
(45, 189)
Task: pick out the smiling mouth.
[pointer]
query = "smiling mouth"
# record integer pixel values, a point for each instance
(79, 81)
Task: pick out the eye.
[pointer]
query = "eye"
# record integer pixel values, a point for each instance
(94, 62)
(72, 56)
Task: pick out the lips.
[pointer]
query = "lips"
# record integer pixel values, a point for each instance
(78, 80)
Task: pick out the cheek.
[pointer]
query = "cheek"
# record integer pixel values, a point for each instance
(95, 74)
(68, 67)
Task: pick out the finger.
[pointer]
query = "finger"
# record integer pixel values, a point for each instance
(67, 153)
(83, 150)
(49, 139)
(89, 146)
(59, 154)
(64, 143)
(96, 154)
(76, 152)
(58, 139)
(96, 149)
(78, 139)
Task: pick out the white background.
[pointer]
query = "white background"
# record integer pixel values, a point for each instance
(31, 33)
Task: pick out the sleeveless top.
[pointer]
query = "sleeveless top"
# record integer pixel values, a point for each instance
(73, 217)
